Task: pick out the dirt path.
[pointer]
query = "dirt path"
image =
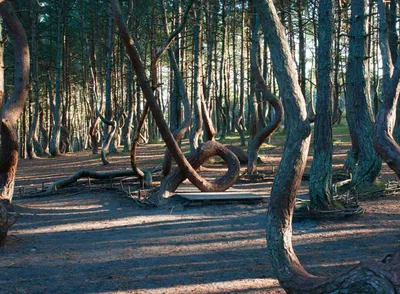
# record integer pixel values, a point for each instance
(100, 242)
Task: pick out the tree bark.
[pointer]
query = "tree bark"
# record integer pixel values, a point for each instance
(364, 278)
(195, 135)
(10, 114)
(321, 167)
(384, 142)
(358, 105)
(55, 135)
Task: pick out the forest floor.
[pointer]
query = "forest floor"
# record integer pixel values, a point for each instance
(98, 240)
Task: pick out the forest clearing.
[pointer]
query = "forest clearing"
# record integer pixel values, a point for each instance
(98, 240)
(191, 146)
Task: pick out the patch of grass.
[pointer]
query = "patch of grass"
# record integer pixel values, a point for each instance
(342, 129)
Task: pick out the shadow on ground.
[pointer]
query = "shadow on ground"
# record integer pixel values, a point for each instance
(95, 243)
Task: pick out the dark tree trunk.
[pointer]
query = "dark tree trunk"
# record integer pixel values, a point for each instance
(358, 105)
(9, 116)
(383, 133)
(321, 168)
(364, 278)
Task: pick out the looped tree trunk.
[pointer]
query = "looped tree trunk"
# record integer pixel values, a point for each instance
(148, 93)
(201, 155)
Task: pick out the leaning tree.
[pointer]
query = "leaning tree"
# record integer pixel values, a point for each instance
(186, 168)
(9, 116)
(382, 277)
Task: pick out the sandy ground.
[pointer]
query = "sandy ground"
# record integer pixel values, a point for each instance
(100, 241)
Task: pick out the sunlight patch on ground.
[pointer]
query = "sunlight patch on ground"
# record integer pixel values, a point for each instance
(245, 285)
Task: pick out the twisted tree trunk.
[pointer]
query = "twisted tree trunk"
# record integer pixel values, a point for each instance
(171, 143)
(10, 114)
(256, 141)
(384, 142)
(364, 278)
(358, 106)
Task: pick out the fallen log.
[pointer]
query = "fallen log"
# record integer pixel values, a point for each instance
(89, 174)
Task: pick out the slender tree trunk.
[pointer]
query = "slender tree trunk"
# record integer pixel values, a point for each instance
(127, 130)
(33, 145)
(302, 47)
(256, 140)
(55, 135)
(321, 168)
(197, 114)
(240, 120)
(2, 44)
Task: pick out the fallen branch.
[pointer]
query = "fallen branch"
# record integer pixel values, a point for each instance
(89, 174)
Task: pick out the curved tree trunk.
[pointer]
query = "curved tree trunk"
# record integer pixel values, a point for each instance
(364, 278)
(358, 105)
(10, 114)
(180, 85)
(384, 142)
(168, 138)
(204, 152)
(321, 167)
(256, 141)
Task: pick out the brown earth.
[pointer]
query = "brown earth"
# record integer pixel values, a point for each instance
(98, 240)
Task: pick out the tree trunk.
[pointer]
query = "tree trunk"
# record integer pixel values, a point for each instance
(358, 106)
(256, 141)
(364, 278)
(10, 114)
(383, 132)
(197, 95)
(168, 138)
(321, 167)
(239, 123)
(55, 135)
